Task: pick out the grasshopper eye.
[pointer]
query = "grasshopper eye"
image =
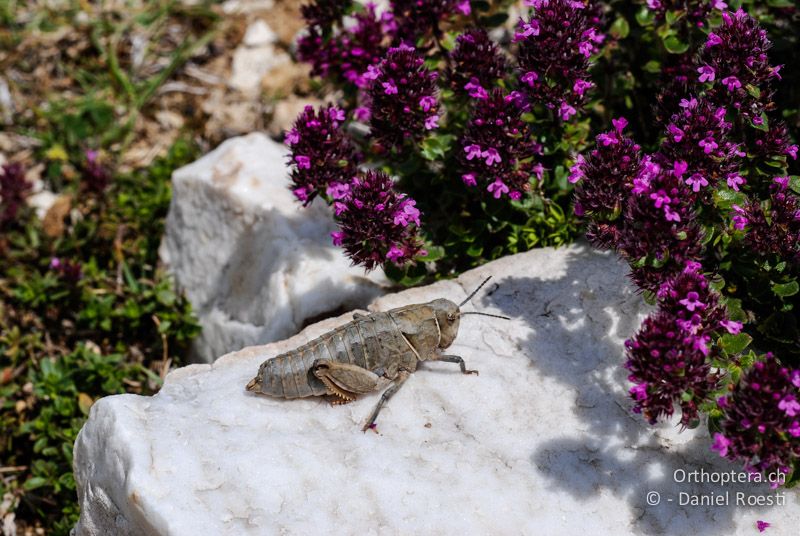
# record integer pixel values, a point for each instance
(451, 317)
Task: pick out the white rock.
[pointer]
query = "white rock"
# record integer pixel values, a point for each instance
(254, 263)
(542, 442)
(251, 64)
(259, 34)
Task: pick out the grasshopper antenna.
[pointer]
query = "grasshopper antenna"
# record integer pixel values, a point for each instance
(484, 314)
(474, 292)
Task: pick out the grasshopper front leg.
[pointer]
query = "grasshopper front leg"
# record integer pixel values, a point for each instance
(454, 359)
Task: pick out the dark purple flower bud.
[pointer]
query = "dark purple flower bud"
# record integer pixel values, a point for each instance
(761, 423)
(325, 13)
(476, 60)
(669, 366)
(321, 152)
(67, 270)
(497, 148)
(403, 99)
(377, 224)
(691, 301)
(95, 176)
(553, 53)
(13, 191)
(604, 182)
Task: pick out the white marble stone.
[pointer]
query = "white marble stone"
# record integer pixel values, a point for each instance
(255, 264)
(542, 442)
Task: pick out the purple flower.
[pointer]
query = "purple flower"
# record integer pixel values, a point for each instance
(473, 151)
(679, 168)
(708, 145)
(732, 326)
(731, 82)
(376, 222)
(475, 90)
(469, 179)
(706, 73)
(317, 137)
(338, 238)
(619, 124)
(760, 525)
(734, 180)
(713, 40)
(397, 113)
(696, 181)
(498, 188)
(491, 156)
(721, 444)
(427, 102)
(789, 405)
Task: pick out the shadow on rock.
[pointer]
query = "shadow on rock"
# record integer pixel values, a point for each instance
(579, 317)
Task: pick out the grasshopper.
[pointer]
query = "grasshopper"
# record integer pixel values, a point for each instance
(349, 360)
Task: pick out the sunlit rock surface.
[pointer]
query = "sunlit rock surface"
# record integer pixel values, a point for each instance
(542, 442)
(255, 264)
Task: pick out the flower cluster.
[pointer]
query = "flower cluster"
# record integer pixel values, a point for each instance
(761, 423)
(403, 98)
(698, 148)
(734, 59)
(669, 360)
(696, 10)
(13, 190)
(776, 232)
(677, 78)
(322, 154)
(476, 64)
(345, 55)
(604, 180)
(95, 175)
(554, 47)
(661, 232)
(67, 270)
(497, 149)
(377, 224)
(416, 19)
(324, 14)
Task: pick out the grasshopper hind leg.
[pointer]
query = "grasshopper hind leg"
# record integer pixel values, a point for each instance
(343, 380)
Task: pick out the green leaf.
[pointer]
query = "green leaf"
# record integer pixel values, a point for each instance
(645, 17)
(675, 45)
(434, 254)
(794, 183)
(35, 482)
(436, 146)
(784, 290)
(735, 344)
(652, 66)
(620, 29)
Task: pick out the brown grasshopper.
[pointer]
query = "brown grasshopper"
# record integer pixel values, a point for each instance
(349, 360)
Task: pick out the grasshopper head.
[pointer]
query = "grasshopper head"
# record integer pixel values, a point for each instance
(447, 318)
